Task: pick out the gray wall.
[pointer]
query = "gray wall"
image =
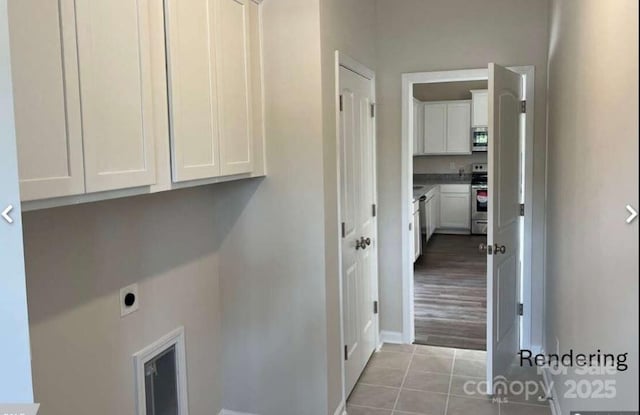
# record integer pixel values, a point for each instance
(416, 36)
(592, 267)
(347, 26)
(446, 164)
(272, 261)
(78, 258)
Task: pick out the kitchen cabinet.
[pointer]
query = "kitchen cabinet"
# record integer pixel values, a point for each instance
(46, 98)
(432, 214)
(104, 141)
(479, 108)
(418, 127)
(91, 126)
(435, 128)
(117, 100)
(212, 127)
(447, 127)
(416, 230)
(455, 207)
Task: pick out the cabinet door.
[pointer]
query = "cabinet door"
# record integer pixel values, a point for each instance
(480, 109)
(418, 127)
(195, 131)
(46, 98)
(435, 128)
(416, 234)
(459, 127)
(234, 83)
(455, 210)
(115, 85)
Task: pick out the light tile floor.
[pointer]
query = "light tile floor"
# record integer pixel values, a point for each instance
(427, 380)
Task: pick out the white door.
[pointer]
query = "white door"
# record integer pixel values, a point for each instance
(359, 234)
(503, 329)
(47, 98)
(15, 358)
(115, 88)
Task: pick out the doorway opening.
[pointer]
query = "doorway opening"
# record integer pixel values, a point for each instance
(444, 130)
(450, 194)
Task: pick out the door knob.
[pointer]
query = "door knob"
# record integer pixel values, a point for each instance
(499, 249)
(362, 243)
(482, 247)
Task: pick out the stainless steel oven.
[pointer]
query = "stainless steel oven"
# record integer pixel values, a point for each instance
(479, 205)
(479, 199)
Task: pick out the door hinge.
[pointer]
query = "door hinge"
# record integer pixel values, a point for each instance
(341, 103)
(523, 106)
(373, 210)
(521, 209)
(520, 309)
(373, 110)
(346, 352)
(344, 229)
(375, 307)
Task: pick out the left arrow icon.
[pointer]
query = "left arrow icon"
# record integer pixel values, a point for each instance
(6, 212)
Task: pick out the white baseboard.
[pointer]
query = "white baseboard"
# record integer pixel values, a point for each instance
(394, 337)
(553, 402)
(228, 412)
(341, 409)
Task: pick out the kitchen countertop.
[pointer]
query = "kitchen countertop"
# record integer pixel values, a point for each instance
(429, 181)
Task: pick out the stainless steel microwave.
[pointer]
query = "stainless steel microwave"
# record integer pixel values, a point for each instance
(479, 138)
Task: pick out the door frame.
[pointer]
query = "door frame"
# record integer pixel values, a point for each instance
(343, 60)
(16, 384)
(530, 302)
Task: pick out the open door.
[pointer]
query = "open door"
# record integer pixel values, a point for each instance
(503, 268)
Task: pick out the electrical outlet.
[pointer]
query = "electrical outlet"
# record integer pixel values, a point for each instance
(452, 165)
(129, 300)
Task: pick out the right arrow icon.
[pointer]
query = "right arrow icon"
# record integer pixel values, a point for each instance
(633, 214)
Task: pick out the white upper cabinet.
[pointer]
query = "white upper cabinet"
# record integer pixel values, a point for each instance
(447, 127)
(418, 127)
(459, 128)
(480, 108)
(89, 90)
(46, 98)
(115, 86)
(435, 128)
(194, 106)
(235, 87)
(210, 78)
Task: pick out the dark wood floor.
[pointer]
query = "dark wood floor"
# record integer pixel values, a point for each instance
(450, 292)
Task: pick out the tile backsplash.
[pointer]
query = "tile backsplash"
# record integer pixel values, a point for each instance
(446, 164)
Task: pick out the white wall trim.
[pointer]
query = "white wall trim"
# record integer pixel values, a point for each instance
(341, 409)
(394, 337)
(408, 79)
(228, 412)
(176, 339)
(549, 385)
